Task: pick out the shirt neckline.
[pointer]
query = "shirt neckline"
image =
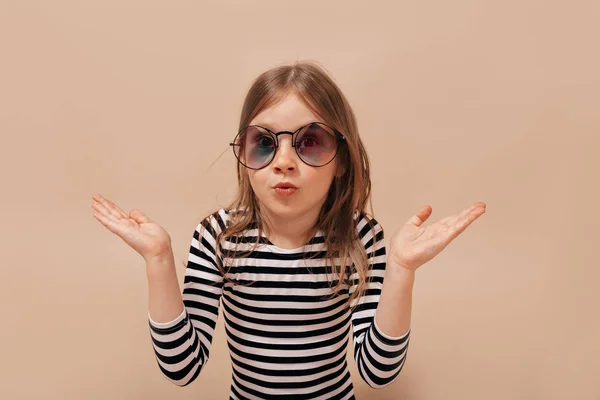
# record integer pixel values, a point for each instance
(288, 251)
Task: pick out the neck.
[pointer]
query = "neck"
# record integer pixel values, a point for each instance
(289, 231)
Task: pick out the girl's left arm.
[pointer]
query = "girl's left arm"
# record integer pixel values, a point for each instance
(381, 320)
(412, 246)
(395, 302)
(379, 355)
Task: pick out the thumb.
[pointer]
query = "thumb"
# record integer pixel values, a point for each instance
(139, 217)
(421, 216)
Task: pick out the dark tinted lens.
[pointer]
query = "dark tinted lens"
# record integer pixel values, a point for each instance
(316, 144)
(254, 147)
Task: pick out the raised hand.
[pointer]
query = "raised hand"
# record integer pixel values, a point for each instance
(413, 245)
(146, 237)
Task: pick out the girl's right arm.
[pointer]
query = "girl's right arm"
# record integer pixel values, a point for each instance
(182, 345)
(164, 295)
(153, 243)
(181, 327)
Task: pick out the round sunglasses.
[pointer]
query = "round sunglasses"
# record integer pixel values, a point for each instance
(316, 144)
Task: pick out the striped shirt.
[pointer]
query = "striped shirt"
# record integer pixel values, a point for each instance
(287, 336)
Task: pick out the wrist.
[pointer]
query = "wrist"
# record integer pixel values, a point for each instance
(398, 272)
(160, 253)
(160, 262)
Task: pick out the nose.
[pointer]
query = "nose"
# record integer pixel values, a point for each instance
(285, 156)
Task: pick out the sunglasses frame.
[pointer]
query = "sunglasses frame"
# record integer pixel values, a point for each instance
(338, 135)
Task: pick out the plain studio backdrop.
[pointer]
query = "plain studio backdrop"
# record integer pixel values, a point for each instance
(457, 102)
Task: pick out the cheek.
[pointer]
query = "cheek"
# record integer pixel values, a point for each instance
(322, 177)
(257, 180)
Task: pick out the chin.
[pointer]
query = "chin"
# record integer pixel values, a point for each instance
(287, 208)
(283, 209)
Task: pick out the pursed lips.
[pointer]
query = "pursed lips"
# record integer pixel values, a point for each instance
(285, 185)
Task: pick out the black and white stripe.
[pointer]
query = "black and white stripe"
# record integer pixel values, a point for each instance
(286, 335)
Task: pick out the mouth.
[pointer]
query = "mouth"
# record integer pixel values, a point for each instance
(285, 185)
(285, 189)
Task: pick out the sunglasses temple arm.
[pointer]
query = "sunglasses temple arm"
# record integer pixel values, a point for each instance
(218, 158)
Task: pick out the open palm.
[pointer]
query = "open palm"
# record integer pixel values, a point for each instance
(137, 230)
(413, 245)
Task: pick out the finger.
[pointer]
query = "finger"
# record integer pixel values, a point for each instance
(112, 207)
(105, 212)
(116, 209)
(452, 219)
(421, 216)
(105, 207)
(108, 222)
(476, 208)
(459, 226)
(139, 217)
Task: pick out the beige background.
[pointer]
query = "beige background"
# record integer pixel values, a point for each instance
(457, 102)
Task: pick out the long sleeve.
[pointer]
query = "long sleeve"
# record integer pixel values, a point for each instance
(182, 346)
(379, 357)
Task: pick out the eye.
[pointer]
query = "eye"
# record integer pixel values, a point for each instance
(309, 141)
(265, 141)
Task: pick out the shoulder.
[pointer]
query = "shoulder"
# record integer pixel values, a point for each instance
(220, 220)
(368, 230)
(215, 222)
(365, 222)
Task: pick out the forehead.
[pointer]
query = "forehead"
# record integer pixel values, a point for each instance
(288, 114)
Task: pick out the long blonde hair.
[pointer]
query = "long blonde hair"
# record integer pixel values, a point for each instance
(349, 193)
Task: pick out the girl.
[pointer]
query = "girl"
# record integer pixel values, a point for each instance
(295, 261)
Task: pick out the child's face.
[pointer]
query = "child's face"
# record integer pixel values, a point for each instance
(312, 182)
